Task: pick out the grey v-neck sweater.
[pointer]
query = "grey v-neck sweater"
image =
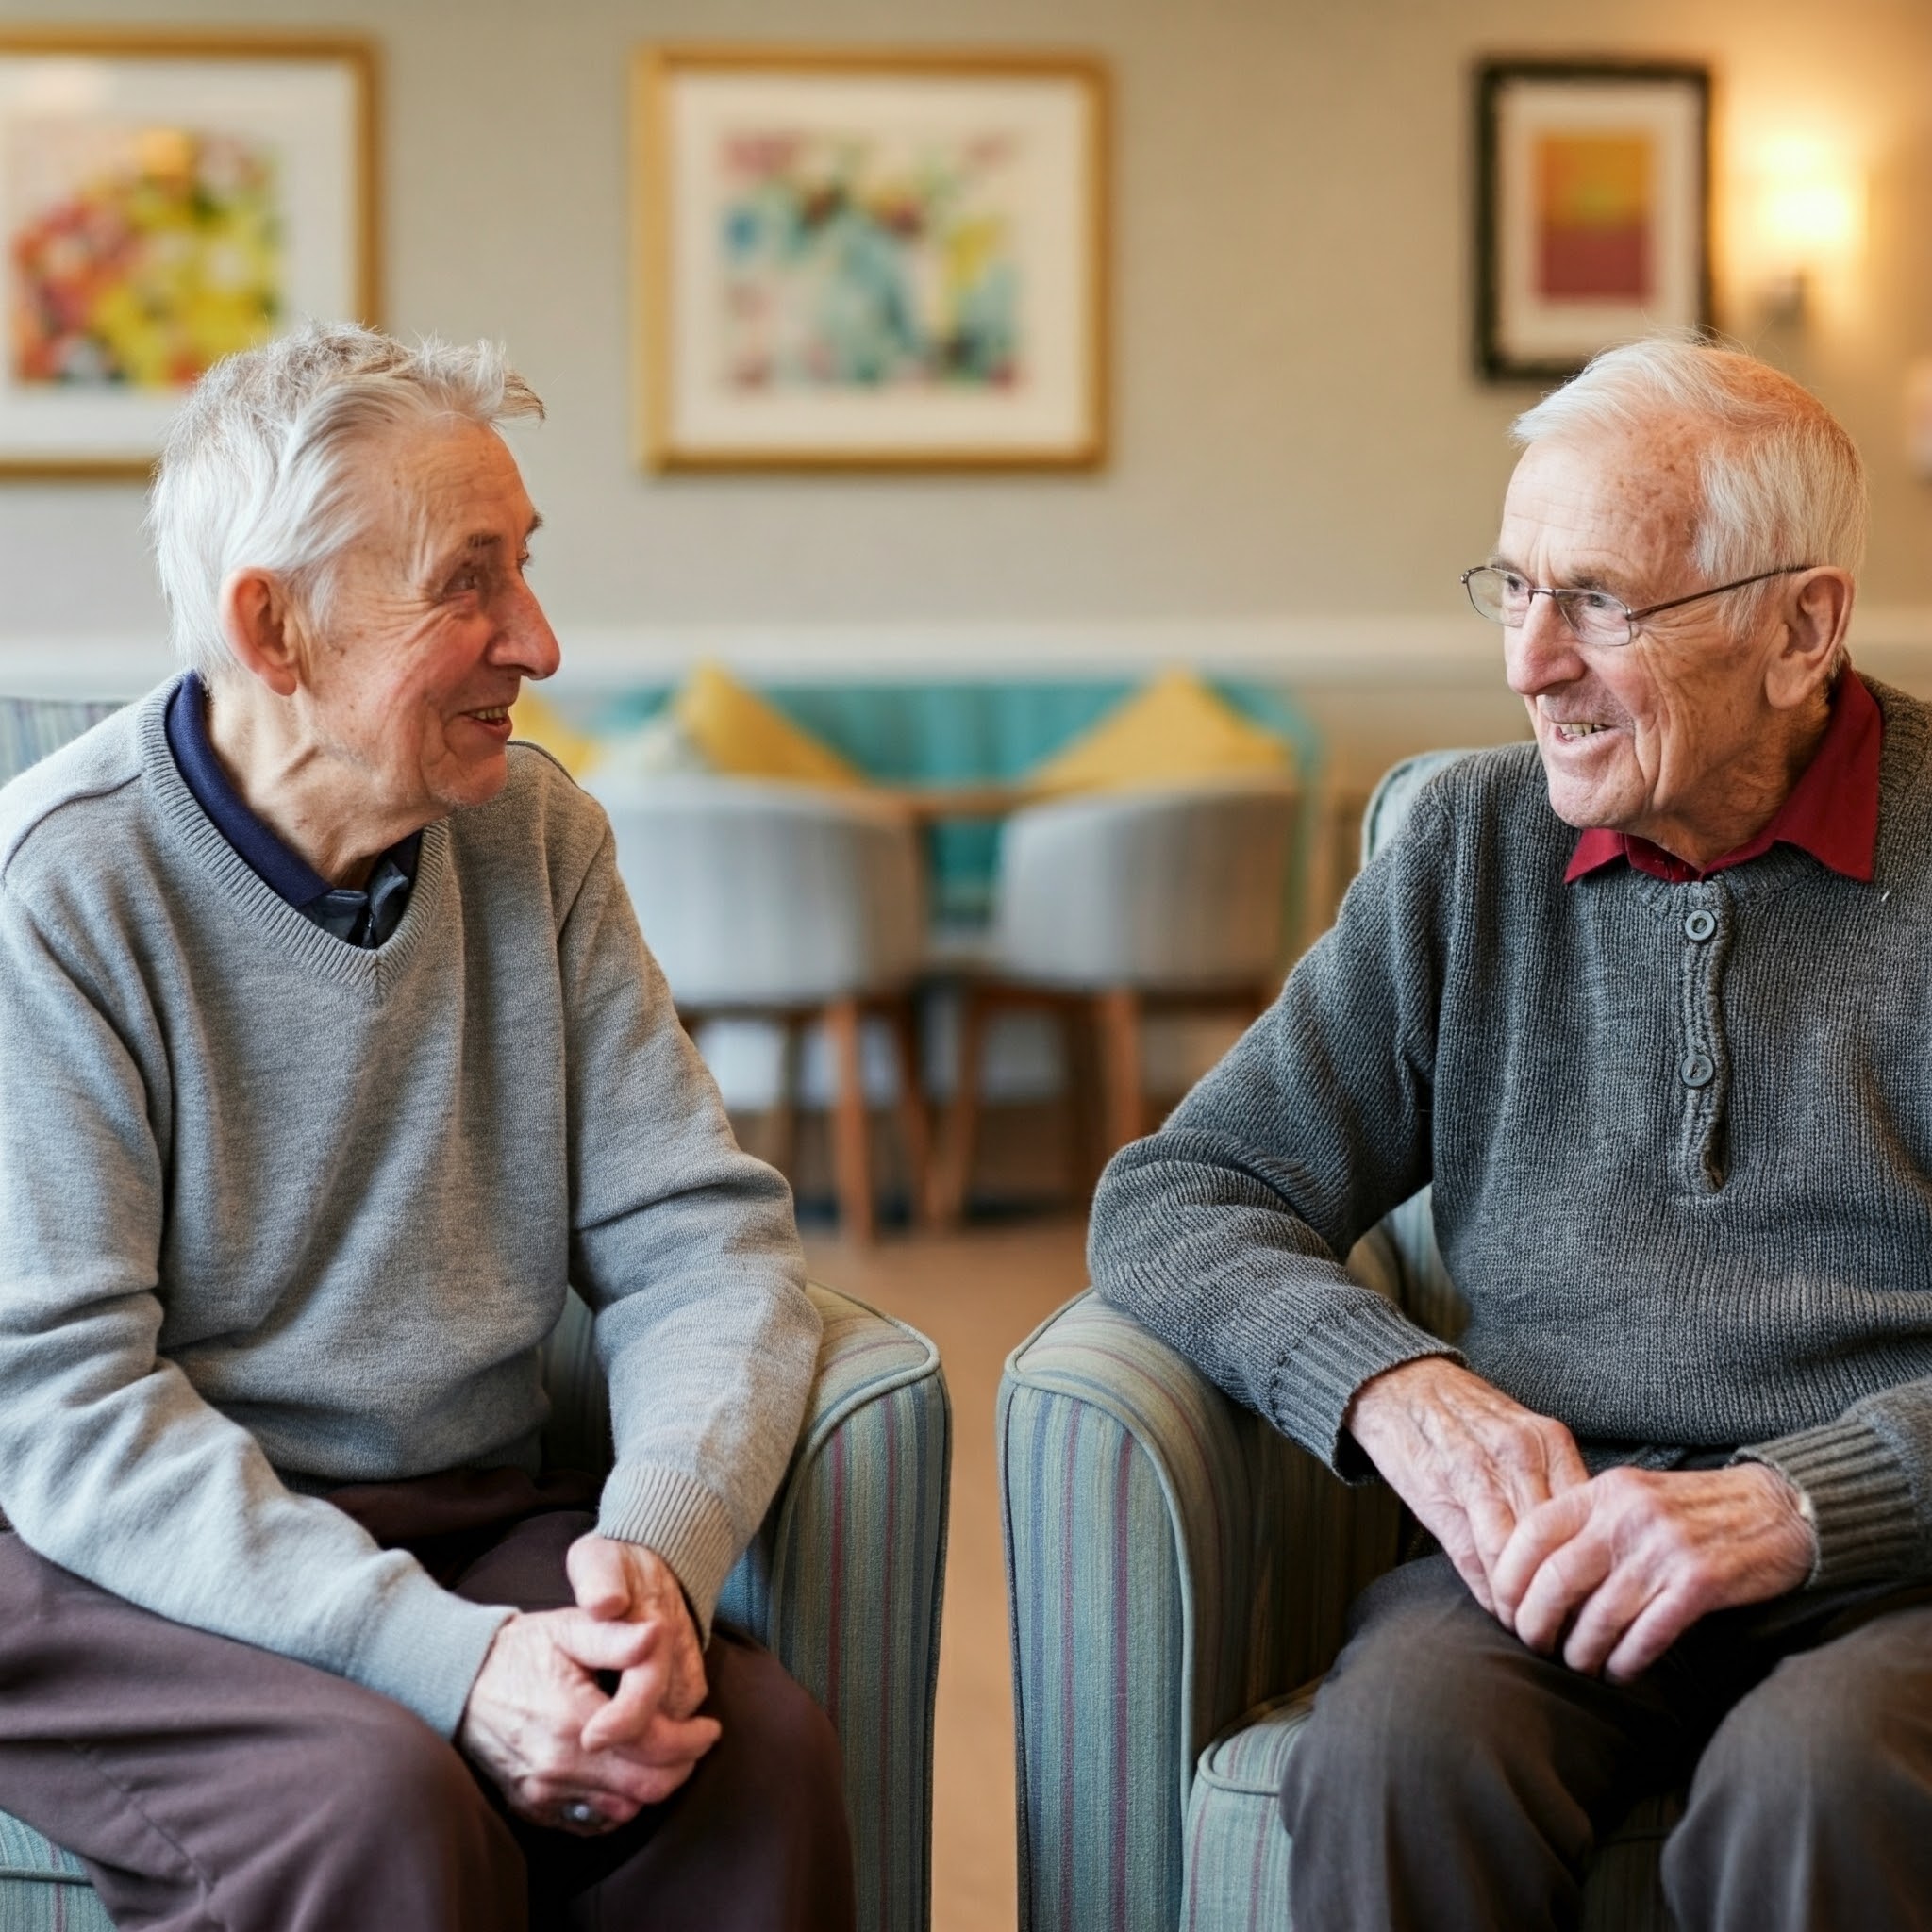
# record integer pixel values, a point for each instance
(277, 1213)
(1682, 1171)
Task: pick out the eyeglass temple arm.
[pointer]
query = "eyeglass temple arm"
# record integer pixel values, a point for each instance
(1784, 569)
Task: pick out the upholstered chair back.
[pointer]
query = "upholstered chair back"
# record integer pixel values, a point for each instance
(1169, 890)
(755, 894)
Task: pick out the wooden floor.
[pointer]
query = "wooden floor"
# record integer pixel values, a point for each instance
(976, 1294)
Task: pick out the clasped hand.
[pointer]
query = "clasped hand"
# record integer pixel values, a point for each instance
(1611, 1568)
(541, 1727)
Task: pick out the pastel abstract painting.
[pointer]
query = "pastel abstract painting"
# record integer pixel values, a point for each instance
(868, 261)
(868, 258)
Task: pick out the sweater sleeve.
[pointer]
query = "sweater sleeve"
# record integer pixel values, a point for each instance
(1867, 1479)
(1223, 1232)
(112, 1465)
(685, 1248)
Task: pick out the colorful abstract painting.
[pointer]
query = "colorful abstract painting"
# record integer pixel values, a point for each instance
(138, 255)
(166, 199)
(869, 258)
(869, 262)
(1594, 205)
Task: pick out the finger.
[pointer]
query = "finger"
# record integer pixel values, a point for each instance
(1536, 1536)
(671, 1740)
(1606, 1618)
(1567, 1468)
(1565, 1580)
(1458, 1545)
(638, 1699)
(605, 1646)
(1662, 1622)
(599, 1577)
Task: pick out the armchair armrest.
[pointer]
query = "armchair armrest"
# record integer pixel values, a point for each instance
(1170, 1560)
(842, 1581)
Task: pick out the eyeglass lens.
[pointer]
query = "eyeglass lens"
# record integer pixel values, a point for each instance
(1504, 597)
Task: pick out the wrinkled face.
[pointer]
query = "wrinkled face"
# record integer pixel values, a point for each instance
(1659, 735)
(431, 628)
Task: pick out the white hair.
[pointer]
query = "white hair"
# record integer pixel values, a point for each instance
(259, 470)
(1782, 481)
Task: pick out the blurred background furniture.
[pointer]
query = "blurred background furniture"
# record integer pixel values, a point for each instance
(842, 1582)
(1113, 907)
(1178, 1574)
(797, 906)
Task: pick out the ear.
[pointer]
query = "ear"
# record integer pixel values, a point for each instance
(1817, 613)
(260, 622)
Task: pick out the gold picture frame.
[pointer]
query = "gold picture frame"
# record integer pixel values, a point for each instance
(165, 197)
(870, 258)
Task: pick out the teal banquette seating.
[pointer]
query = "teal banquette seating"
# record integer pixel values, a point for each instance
(1178, 1574)
(869, 1480)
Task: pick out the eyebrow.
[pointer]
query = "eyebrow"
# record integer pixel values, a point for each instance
(480, 541)
(1583, 580)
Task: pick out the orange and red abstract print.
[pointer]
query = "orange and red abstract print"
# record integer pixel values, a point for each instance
(1595, 202)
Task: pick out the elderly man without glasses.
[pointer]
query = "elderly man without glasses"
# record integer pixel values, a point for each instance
(331, 1053)
(1647, 1004)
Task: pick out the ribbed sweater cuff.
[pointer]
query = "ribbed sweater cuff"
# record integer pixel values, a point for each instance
(1313, 1384)
(425, 1650)
(669, 1512)
(1861, 1498)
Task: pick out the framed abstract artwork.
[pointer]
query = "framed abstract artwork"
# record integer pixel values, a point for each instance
(1592, 209)
(870, 259)
(165, 200)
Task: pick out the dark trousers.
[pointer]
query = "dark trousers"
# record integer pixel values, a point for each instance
(1450, 1778)
(207, 1784)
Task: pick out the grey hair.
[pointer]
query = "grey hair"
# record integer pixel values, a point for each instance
(259, 472)
(1782, 481)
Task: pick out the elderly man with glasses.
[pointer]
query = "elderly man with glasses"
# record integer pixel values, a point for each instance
(332, 1058)
(1647, 1004)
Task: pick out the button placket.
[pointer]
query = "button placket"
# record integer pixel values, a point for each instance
(1702, 1071)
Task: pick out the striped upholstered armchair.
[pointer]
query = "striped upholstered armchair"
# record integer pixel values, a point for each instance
(1178, 1574)
(868, 1480)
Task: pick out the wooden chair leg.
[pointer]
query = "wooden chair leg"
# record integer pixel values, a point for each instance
(1117, 1011)
(954, 1165)
(1083, 1092)
(785, 1109)
(914, 1127)
(851, 1155)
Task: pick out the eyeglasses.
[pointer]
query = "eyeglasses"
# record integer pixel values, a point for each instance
(1594, 617)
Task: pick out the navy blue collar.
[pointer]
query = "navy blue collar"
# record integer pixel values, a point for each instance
(287, 872)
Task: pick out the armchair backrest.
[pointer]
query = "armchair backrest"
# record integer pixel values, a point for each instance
(31, 727)
(1400, 1254)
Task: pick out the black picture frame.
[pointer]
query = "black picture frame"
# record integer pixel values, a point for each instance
(1521, 333)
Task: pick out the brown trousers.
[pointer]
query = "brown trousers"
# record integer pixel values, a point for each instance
(210, 1785)
(1453, 1780)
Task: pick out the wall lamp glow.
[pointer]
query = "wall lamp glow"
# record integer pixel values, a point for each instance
(1807, 211)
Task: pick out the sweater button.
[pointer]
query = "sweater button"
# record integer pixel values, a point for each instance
(1698, 1070)
(1700, 925)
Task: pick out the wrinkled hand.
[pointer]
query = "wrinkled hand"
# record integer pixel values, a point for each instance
(541, 1727)
(624, 1583)
(1618, 1569)
(1470, 1463)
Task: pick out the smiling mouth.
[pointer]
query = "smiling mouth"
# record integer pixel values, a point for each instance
(495, 714)
(1570, 729)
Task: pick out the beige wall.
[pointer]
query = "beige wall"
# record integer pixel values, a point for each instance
(1298, 434)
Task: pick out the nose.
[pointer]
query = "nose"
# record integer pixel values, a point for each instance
(526, 643)
(1542, 652)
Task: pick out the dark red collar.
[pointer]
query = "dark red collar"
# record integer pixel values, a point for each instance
(1832, 811)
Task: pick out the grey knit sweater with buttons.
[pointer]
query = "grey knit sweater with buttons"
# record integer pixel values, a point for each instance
(1680, 1138)
(278, 1212)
